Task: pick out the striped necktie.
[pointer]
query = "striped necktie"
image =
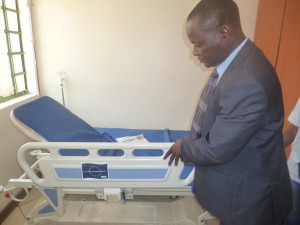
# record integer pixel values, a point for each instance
(206, 95)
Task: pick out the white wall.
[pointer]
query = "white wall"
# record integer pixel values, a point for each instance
(128, 63)
(11, 140)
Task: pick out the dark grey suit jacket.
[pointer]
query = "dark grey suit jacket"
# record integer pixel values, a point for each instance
(241, 174)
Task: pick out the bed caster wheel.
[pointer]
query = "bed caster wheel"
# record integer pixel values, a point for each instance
(29, 220)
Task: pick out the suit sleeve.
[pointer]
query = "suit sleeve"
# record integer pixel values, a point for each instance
(242, 110)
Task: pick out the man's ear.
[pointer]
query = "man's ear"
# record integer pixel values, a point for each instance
(225, 31)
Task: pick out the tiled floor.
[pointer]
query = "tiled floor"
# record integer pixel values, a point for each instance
(18, 216)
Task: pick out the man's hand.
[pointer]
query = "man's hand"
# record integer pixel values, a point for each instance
(175, 152)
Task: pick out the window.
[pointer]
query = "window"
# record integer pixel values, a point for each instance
(13, 75)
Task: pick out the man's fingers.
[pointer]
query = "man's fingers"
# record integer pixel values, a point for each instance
(172, 157)
(168, 153)
(171, 160)
(176, 160)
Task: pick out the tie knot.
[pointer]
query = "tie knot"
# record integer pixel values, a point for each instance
(214, 74)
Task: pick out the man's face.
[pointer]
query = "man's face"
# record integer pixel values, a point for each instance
(207, 42)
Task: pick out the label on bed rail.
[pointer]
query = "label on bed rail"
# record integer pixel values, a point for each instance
(94, 171)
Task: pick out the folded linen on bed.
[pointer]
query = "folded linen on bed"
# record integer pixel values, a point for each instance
(133, 139)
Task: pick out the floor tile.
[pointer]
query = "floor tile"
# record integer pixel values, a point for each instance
(28, 207)
(33, 194)
(15, 218)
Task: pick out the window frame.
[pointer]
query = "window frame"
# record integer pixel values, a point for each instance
(11, 54)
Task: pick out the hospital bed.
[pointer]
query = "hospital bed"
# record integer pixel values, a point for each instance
(74, 161)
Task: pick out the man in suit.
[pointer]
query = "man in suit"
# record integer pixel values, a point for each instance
(236, 143)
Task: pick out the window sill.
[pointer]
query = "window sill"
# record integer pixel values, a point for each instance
(14, 101)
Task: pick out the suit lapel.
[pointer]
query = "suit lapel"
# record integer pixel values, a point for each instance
(239, 58)
(213, 107)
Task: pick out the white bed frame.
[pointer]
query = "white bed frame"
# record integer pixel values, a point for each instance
(56, 176)
(56, 181)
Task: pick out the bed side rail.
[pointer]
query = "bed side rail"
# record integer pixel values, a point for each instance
(95, 171)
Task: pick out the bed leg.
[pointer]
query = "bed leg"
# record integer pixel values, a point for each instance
(52, 205)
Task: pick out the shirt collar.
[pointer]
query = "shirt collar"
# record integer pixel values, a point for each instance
(223, 65)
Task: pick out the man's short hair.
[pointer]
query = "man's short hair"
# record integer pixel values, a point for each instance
(223, 11)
